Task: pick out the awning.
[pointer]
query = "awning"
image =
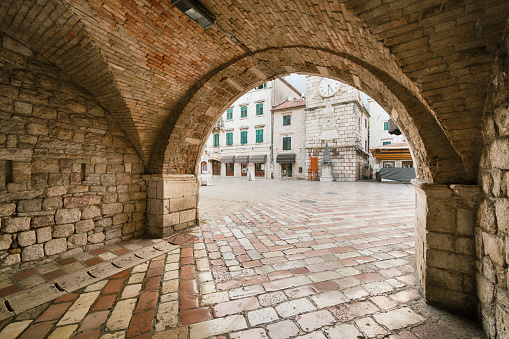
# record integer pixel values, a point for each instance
(285, 158)
(242, 159)
(228, 159)
(258, 159)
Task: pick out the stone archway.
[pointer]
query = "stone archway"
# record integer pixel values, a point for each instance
(441, 207)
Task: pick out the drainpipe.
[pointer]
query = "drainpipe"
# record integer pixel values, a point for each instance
(272, 129)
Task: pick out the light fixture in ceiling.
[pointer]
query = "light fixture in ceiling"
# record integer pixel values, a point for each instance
(196, 12)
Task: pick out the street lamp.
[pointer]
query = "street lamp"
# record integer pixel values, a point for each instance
(196, 12)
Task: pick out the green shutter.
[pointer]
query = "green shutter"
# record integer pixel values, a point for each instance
(229, 114)
(259, 136)
(229, 139)
(216, 139)
(243, 111)
(243, 137)
(386, 126)
(259, 109)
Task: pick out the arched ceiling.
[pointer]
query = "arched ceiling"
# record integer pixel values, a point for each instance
(145, 60)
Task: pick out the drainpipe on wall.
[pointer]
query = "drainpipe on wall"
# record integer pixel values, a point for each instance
(272, 129)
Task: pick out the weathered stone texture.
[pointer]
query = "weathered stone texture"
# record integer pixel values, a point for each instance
(445, 251)
(492, 234)
(71, 163)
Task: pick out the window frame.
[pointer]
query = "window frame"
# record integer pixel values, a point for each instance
(229, 138)
(287, 143)
(259, 111)
(229, 114)
(216, 139)
(259, 135)
(243, 111)
(243, 137)
(289, 116)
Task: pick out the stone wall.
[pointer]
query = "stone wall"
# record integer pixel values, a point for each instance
(444, 244)
(172, 203)
(69, 178)
(492, 233)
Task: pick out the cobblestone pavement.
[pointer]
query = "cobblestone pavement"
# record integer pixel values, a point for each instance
(273, 259)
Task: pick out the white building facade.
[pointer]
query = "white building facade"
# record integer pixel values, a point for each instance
(289, 127)
(379, 136)
(241, 142)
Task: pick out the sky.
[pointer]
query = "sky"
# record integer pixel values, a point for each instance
(298, 81)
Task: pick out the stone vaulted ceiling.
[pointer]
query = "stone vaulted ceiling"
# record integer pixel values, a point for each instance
(146, 61)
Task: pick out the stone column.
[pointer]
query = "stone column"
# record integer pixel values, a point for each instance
(172, 203)
(444, 244)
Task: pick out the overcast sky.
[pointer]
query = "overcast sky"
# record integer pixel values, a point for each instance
(298, 81)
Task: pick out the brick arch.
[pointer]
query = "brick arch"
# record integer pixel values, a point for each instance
(53, 31)
(185, 133)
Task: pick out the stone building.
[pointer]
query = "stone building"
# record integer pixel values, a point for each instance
(335, 114)
(105, 108)
(289, 132)
(241, 140)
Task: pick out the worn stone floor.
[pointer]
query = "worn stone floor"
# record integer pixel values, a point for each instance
(272, 259)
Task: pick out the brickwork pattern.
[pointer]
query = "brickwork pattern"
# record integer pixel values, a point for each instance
(425, 60)
(492, 231)
(69, 177)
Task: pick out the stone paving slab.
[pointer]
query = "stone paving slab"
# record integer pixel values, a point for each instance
(341, 266)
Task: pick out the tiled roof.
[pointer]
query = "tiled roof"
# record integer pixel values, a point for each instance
(290, 104)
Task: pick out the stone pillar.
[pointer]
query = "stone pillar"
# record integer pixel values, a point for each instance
(444, 244)
(172, 203)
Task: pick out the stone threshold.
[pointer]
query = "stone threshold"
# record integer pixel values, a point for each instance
(21, 301)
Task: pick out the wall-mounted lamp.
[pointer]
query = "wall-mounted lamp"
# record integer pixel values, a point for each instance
(357, 143)
(196, 12)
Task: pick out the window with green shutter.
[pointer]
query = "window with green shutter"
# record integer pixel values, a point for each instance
(216, 139)
(287, 143)
(229, 114)
(386, 126)
(259, 108)
(287, 120)
(386, 143)
(243, 137)
(243, 111)
(229, 138)
(259, 135)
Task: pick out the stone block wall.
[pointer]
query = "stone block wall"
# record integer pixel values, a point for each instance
(444, 244)
(492, 233)
(69, 178)
(172, 203)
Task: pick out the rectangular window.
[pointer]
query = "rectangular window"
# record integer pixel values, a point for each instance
(229, 114)
(287, 143)
(386, 126)
(229, 138)
(287, 120)
(262, 86)
(386, 143)
(216, 139)
(243, 111)
(259, 135)
(366, 123)
(259, 108)
(243, 137)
